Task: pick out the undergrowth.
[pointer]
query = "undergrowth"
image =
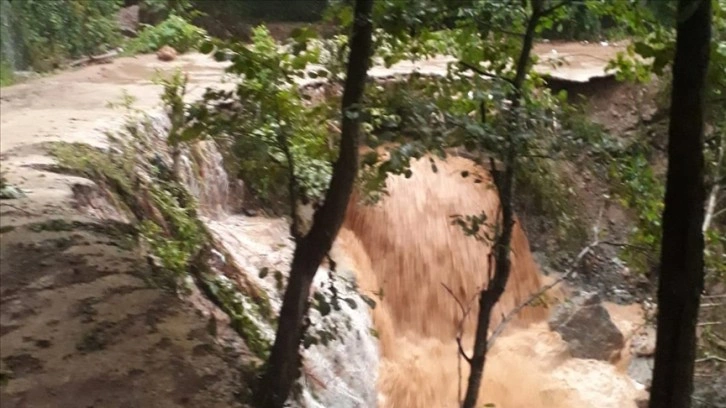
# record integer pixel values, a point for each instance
(7, 77)
(627, 166)
(171, 236)
(47, 33)
(175, 32)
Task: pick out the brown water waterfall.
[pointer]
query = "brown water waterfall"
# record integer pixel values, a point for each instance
(407, 247)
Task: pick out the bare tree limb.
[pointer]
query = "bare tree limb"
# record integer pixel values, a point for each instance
(703, 324)
(711, 358)
(465, 310)
(461, 305)
(625, 245)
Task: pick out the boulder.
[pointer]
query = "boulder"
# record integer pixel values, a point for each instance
(585, 325)
(640, 370)
(166, 53)
(643, 342)
(128, 20)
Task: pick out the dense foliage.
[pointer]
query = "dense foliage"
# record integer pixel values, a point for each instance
(174, 31)
(276, 140)
(44, 33)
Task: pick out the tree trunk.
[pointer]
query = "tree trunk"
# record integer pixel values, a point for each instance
(495, 288)
(284, 362)
(681, 260)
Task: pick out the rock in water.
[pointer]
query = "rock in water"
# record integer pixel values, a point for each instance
(643, 343)
(586, 327)
(640, 370)
(166, 53)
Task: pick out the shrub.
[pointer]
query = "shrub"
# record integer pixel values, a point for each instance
(51, 31)
(6, 74)
(175, 32)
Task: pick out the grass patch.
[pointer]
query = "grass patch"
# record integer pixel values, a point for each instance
(245, 315)
(7, 76)
(175, 32)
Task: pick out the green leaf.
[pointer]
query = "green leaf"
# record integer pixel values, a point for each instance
(370, 158)
(324, 308)
(192, 132)
(207, 47)
(220, 56)
(369, 301)
(308, 341)
(351, 303)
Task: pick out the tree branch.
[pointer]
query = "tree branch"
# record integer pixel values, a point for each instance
(711, 358)
(461, 305)
(465, 310)
(292, 187)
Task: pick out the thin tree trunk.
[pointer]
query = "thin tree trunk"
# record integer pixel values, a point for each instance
(716, 188)
(283, 366)
(495, 288)
(490, 296)
(681, 262)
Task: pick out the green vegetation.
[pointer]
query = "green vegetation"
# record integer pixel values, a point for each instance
(175, 32)
(256, 11)
(169, 233)
(175, 239)
(7, 77)
(281, 139)
(638, 184)
(273, 136)
(48, 32)
(243, 313)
